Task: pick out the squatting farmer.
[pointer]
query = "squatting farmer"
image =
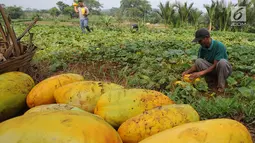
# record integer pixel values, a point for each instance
(212, 59)
(83, 12)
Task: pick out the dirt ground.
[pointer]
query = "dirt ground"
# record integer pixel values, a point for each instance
(53, 23)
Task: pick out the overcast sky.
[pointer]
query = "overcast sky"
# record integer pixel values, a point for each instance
(47, 4)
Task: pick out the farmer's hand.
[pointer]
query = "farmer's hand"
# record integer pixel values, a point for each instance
(184, 73)
(195, 75)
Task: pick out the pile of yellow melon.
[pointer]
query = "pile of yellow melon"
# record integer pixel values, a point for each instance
(68, 109)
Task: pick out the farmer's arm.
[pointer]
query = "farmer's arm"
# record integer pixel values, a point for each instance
(204, 72)
(218, 56)
(210, 69)
(76, 9)
(191, 70)
(87, 10)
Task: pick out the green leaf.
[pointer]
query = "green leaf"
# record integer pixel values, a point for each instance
(231, 81)
(246, 92)
(201, 85)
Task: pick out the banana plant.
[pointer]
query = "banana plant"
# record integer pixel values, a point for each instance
(211, 13)
(107, 20)
(227, 15)
(250, 5)
(222, 14)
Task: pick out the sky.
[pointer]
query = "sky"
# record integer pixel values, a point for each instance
(107, 4)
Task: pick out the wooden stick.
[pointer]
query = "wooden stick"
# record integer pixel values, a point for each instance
(8, 52)
(2, 32)
(4, 36)
(10, 30)
(28, 28)
(31, 39)
(21, 48)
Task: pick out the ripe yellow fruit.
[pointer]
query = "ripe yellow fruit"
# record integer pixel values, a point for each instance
(52, 107)
(43, 92)
(181, 83)
(178, 82)
(187, 79)
(208, 131)
(14, 88)
(117, 106)
(156, 120)
(197, 80)
(75, 4)
(84, 94)
(58, 127)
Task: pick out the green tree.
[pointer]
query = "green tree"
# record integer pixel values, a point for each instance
(222, 14)
(183, 11)
(65, 9)
(166, 12)
(135, 8)
(94, 6)
(69, 10)
(54, 12)
(250, 10)
(62, 6)
(210, 13)
(44, 11)
(154, 17)
(116, 12)
(195, 14)
(145, 8)
(14, 12)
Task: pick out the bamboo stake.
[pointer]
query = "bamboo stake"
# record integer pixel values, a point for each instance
(28, 28)
(11, 32)
(4, 36)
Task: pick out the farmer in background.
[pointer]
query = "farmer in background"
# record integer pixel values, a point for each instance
(135, 27)
(83, 12)
(212, 59)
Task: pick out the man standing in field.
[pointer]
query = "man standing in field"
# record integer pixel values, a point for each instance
(212, 59)
(83, 12)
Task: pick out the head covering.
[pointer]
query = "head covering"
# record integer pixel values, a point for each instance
(200, 34)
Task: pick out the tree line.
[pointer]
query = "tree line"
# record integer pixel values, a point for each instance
(176, 14)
